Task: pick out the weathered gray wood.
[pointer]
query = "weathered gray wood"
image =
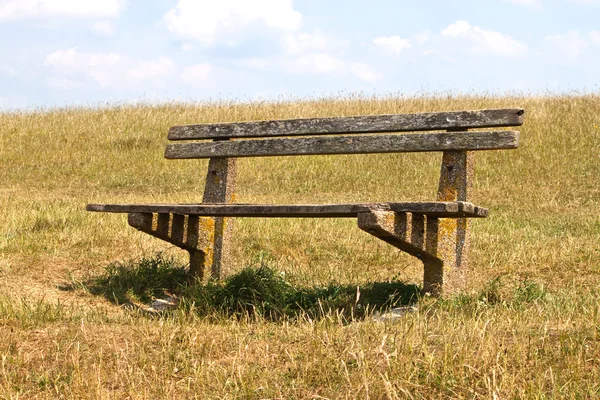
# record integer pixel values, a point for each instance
(406, 234)
(456, 179)
(433, 267)
(216, 232)
(435, 232)
(177, 228)
(417, 233)
(143, 222)
(417, 236)
(193, 227)
(434, 208)
(400, 143)
(358, 124)
(163, 224)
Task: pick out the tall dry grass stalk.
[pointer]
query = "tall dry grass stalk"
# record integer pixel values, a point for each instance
(544, 227)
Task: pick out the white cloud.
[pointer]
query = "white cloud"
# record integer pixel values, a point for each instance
(527, 3)
(423, 37)
(152, 69)
(594, 36)
(20, 9)
(314, 63)
(364, 72)
(187, 47)
(484, 41)
(312, 53)
(107, 69)
(73, 58)
(586, 2)
(104, 28)
(101, 67)
(459, 28)
(13, 102)
(197, 75)
(320, 63)
(255, 63)
(392, 44)
(566, 48)
(208, 21)
(8, 70)
(311, 42)
(58, 83)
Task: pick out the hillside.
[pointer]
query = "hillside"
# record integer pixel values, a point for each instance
(528, 329)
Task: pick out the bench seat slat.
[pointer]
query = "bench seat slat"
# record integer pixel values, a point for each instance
(399, 143)
(436, 209)
(358, 124)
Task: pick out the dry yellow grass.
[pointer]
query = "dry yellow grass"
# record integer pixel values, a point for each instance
(544, 226)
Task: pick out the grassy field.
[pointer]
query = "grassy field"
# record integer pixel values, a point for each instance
(529, 327)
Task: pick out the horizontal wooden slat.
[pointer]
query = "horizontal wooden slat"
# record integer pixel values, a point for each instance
(360, 124)
(399, 143)
(438, 209)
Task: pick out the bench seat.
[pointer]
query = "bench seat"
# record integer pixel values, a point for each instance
(453, 209)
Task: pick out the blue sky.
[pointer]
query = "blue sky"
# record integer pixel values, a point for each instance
(93, 52)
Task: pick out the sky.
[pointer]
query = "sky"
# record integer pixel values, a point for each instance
(56, 53)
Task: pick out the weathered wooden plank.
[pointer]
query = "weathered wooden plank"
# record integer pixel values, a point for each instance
(486, 140)
(456, 180)
(141, 221)
(433, 267)
(392, 228)
(417, 233)
(177, 228)
(162, 226)
(439, 209)
(359, 124)
(191, 235)
(217, 232)
(481, 212)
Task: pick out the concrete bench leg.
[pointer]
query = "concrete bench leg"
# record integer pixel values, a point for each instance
(188, 232)
(206, 239)
(440, 243)
(456, 180)
(197, 264)
(178, 230)
(216, 232)
(411, 233)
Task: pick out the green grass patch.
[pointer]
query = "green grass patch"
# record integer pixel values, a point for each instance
(139, 280)
(495, 293)
(263, 291)
(256, 291)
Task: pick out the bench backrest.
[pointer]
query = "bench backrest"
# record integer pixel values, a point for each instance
(349, 135)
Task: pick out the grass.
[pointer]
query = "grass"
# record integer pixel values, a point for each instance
(149, 278)
(258, 291)
(528, 327)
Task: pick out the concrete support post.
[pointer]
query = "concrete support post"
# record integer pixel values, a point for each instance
(207, 240)
(456, 180)
(440, 243)
(215, 233)
(414, 234)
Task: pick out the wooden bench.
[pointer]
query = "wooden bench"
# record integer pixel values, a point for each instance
(436, 232)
